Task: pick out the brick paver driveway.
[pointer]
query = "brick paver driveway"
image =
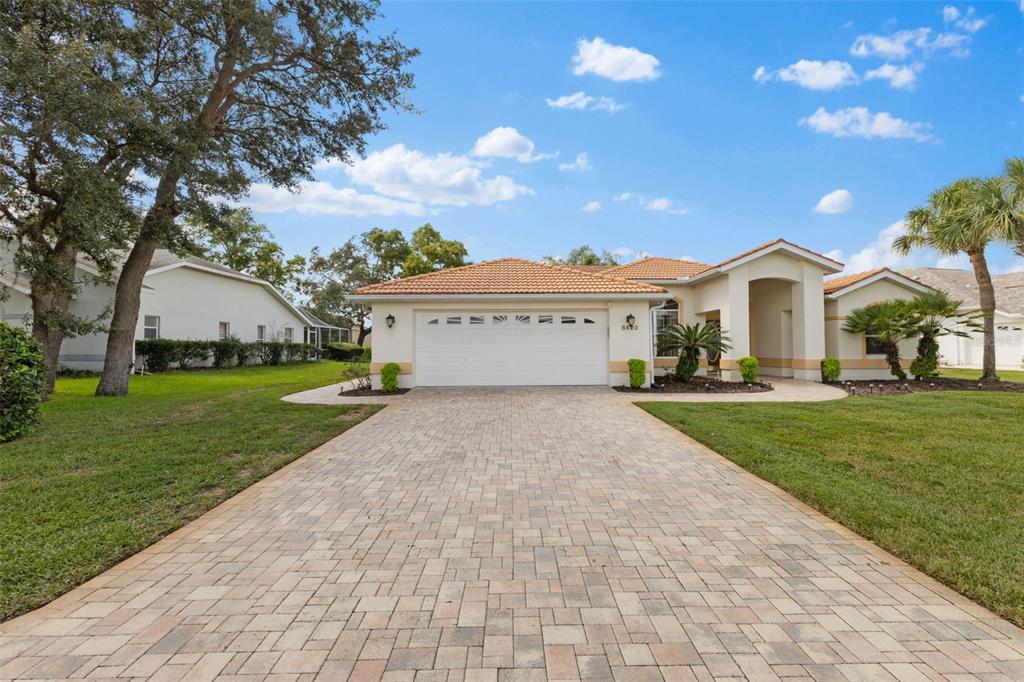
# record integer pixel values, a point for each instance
(471, 535)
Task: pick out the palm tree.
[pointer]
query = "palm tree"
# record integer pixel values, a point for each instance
(1004, 197)
(939, 315)
(956, 220)
(890, 322)
(690, 340)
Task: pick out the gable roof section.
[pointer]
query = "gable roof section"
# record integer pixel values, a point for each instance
(509, 276)
(656, 268)
(961, 284)
(844, 284)
(830, 265)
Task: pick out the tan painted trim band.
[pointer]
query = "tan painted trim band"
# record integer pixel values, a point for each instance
(622, 366)
(666, 362)
(783, 363)
(870, 363)
(405, 367)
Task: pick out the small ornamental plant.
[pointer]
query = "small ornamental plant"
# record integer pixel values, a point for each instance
(637, 372)
(831, 369)
(389, 377)
(748, 369)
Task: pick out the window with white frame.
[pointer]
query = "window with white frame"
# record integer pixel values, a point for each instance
(663, 319)
(289, 334)
(261, 332)
(224, 330)
(151, 327)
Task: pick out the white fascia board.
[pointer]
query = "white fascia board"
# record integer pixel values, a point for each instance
(896, 279)
(469, 298)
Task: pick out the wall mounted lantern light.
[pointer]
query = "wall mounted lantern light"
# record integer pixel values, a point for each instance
(630, 320)
(390, 321)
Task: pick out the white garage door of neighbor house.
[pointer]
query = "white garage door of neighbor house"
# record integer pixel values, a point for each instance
(511, 349)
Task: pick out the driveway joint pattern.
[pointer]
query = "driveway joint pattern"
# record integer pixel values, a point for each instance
(505, 535)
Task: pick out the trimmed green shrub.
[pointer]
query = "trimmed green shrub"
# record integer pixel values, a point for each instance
(389, 377)
(22, 382)
(157, 354)
(246, 352)
(831, 369)
(342, 350)
(192, 352)
(270, 352)
(637, 372)
(748, 369)
(225, 351)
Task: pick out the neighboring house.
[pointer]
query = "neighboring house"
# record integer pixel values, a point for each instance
(518, 322)
(1009, 318)
(320, 333)
(182, 298)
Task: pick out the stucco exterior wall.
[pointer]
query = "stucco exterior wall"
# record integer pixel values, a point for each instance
(850, 348)
(397, 344)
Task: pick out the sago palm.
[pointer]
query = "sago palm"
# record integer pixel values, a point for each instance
(890, 322)
(956, 220)
(690, 340)
(940, 315)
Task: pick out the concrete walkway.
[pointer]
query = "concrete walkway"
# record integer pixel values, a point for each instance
(786, 390)
(512, 535)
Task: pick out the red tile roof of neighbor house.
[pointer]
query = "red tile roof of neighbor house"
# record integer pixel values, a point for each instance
(509, 276)
(589, 268)
(654, 267)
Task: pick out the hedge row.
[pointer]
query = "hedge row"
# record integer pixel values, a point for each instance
(351, 352)
(22, 380)
(159, 354)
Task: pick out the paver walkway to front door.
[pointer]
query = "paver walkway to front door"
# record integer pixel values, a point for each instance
(480, 535)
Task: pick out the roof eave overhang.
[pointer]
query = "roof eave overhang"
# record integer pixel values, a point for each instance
(372, 298)
(898, 280)
(826, 264)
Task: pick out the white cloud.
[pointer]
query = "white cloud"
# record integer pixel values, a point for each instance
(582, 101)
(836, 201)
(624, 196)
(442, 179)
(879, 253)
(626, 254)
(320, 197)
(663, 205)
(615, 62)
(508, 143)
(582, 162)
(966, 21)
(811, 74)
(899, 45)
(903, 44)
(860, 122)
(900, 77)
(591, 207)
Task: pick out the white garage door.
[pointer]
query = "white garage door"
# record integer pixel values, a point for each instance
(511, 349)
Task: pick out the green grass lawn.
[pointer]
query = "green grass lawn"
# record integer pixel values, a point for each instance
(1014, 375)
(101, 478)
(935, 478)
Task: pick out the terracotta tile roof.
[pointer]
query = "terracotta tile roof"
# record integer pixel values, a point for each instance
(770, 244)
(658, 268)
(843, 281)
(510, 276)
(589, 268)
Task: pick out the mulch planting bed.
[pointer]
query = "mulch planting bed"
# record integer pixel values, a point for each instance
(362, 392)
(701, 385)
(896, 387)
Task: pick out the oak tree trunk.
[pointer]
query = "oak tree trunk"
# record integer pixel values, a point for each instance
(120, 353)
(49, 305)
(987, 300)
(363, 333)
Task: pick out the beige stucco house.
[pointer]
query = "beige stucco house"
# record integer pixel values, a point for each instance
(518, 322)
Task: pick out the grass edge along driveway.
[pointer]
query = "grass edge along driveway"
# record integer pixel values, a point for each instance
(99, 479)
(935, 478)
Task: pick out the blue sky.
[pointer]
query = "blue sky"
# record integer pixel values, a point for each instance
(705, 128)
